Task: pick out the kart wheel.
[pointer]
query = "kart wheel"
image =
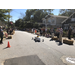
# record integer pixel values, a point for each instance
(42, 40)
(38, 40)
(32, 38)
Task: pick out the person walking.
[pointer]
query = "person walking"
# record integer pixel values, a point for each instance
(69, 33)
(1, 35)
(60, 35)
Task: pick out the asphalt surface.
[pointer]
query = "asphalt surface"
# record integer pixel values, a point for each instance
(25, 51)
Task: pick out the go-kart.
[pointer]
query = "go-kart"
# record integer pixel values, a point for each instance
(37, 39)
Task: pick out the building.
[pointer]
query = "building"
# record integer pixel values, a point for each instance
(53, 20)
(70, 21)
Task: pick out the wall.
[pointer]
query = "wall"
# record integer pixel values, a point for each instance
(44, 20)
(51, 20)
(59, 20)
(54, 21)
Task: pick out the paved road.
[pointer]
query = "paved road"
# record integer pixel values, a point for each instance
(25, 51)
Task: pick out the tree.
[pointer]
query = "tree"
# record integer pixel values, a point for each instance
(48, 11)
(18, 22)
(22, 15)
(3, 15)
(37, 14)
(66, 12)
(32, 17)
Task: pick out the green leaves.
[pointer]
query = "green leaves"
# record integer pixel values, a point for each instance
(66, 12)
(3, 14)
(33, 16)
(37, 14)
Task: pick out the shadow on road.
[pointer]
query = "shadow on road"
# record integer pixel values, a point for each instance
(58, 43)
(51, 40)
(24, 60)
(5, 48)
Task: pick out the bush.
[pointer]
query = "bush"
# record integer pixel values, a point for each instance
(65, 34)
(35, 25)
(71, 36)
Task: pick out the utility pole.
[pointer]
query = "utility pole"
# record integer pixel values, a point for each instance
(45, 25)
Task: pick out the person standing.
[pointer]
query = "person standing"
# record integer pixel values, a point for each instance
(69, 33)
(10, 31)
(41, 32)
(58, 29)
(73, 33)
(7, 30)
(45, 30)
(1, 35)
(60, 35)
(52, 32)
(32, 30)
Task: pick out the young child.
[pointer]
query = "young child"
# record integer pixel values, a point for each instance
(6, 35)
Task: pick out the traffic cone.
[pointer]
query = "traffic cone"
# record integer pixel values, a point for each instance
(8, 45)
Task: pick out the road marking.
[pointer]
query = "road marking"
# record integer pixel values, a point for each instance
(70, 60)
